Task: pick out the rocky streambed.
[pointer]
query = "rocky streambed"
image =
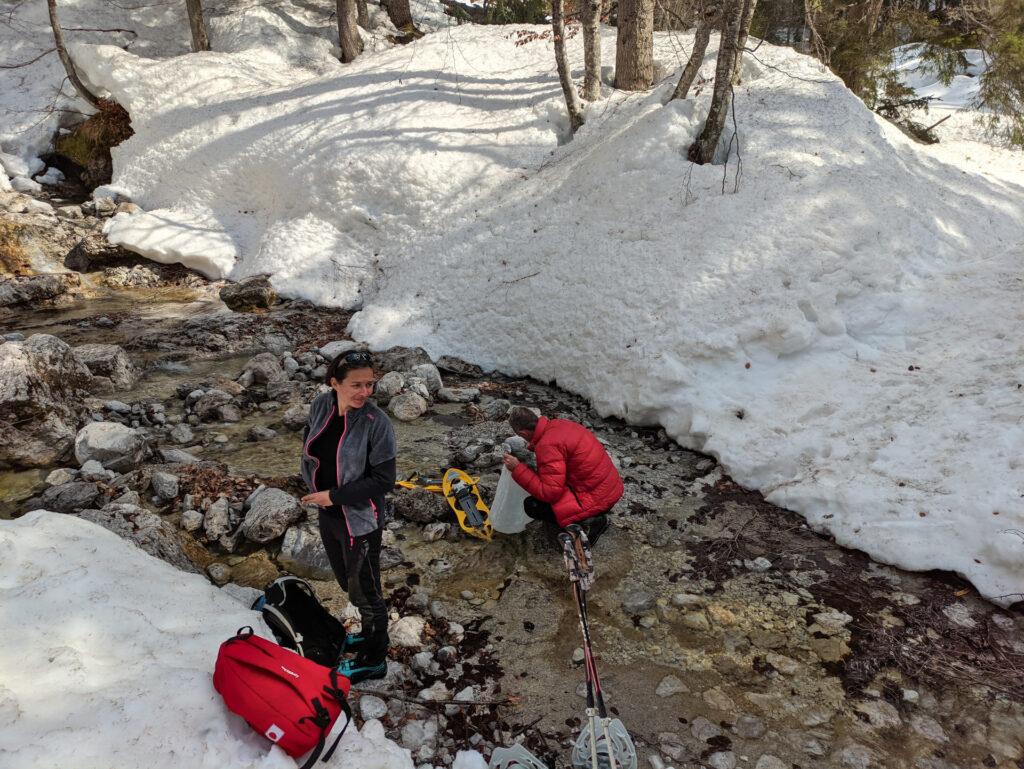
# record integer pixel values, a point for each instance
(728, 634)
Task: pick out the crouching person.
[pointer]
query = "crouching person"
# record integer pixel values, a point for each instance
(348, 463)
(575, 480)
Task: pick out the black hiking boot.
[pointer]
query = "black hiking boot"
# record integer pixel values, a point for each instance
(598, 525)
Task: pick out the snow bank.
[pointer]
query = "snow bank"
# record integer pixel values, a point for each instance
(108, 660)
(842, 332)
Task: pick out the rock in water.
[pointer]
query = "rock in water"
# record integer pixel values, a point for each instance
(302, 553)
(42, 385)
(112, 444)
(249, 294)
(110, 361)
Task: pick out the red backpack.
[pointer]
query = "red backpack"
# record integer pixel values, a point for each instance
(287, 698)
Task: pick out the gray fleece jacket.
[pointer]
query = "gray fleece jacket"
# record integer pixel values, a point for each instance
(368, 440)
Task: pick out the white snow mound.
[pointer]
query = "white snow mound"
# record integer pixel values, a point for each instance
(108, 660)
(840, 327)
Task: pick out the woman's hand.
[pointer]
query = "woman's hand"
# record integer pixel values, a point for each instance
(321, 498)
(510, 461)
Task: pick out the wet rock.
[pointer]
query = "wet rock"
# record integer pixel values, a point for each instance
(295, 417)
(261, 433)
(220, 573)
(42, 386)
(217, 521)
(136, 276)
(252, 293)
(145, 529)
(181, 434)
(458, 394)
(271, 513)
(390, 557)
(420, 506)
(165, 485)
(110, 361)
(112, 444)
(206, 407)
(61, 475)
(191, 520)
(432, 532)
(407, 406)
(33, 288)
(671, 685)
(69, 497)
(407, 631)
(177, 457)
(265, 368)
(302, 553)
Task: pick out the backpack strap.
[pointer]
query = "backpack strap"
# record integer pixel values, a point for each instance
(335, 692)
(323, 720)
(287, 626)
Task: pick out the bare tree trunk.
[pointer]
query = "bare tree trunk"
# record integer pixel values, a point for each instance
(634, 49)
(744, 32)
(200, 40)
(700, 47)
(591, 17)
(399, 13)
(348, 35)
(65, 57)
(362, 14)
(572, 100)
(703, 149)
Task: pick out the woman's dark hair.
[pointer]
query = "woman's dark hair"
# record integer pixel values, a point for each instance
(345, 362)
(522, 419)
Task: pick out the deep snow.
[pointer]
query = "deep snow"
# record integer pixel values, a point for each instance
(108, 656)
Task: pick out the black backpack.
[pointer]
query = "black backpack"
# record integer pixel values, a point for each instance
(300, 622)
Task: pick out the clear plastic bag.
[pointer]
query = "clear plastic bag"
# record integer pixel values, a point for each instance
(507, 514)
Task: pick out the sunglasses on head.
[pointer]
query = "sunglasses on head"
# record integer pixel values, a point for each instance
(357, 357)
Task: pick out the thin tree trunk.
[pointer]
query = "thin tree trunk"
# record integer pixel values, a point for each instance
(572, 100)
(700, 48)
(65, 57)
(196, 22)
(591, 49)
(703, 149)
(400, 14)
(744, 32)
(634, 48)
(362, 14)
(348, 35)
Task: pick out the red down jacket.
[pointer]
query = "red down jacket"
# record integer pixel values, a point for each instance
(574, 474)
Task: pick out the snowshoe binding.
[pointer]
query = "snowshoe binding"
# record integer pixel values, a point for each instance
(470, 510)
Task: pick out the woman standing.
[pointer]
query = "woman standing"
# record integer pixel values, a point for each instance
(348, 463)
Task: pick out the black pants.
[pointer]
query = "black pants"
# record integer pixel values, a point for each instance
(541, 511)
(356, 565)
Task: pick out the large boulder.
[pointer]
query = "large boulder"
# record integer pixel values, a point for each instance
(145, 529)
(110, 361)
(33, 288)
(42, 386)
(207, 408)
(249, 294)
(271, 513)
(302, 553)
(112, 444)
(408, 406)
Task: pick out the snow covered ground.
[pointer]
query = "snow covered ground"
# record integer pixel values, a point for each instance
(840, 327)
(107, 660)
